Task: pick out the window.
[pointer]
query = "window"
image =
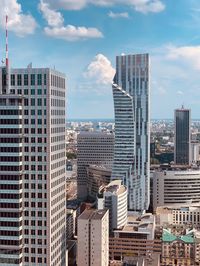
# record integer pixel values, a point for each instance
(39, 79)
(12, 80)
(19, 80)
(26, 80)
(45, 79)
(32, 79)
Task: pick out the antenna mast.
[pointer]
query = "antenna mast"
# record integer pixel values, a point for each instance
(7, 60)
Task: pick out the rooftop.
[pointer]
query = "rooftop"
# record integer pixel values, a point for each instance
(92, 214)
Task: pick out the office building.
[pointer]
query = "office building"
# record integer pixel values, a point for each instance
(176, 187)
(93, 238)
(32, 167)
(195, 152)
(132, 133)
(136, 240)
(92, 148)
(97, 176)
(114, 197)
(182, 136)
(176, 214)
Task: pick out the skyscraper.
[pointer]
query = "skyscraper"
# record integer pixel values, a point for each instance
(32, 167)
(182, 136)
(132, 134)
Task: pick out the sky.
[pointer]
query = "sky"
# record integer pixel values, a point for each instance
(82, 38)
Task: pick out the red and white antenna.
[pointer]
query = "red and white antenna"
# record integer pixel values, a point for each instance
(7, 60)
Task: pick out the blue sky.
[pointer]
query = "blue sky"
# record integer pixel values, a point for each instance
(82, 37)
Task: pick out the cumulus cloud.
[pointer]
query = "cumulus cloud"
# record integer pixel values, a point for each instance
(118, 15)
(188, 54)
(143, 6)
(53, 18)
(18, 22)
(100, 70)
(72, 33)
(57, 29)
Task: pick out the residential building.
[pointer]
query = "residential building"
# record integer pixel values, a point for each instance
(114, 197)
(176, 187)
(182, 136)
(32, 167)
(132, 133)
(93, 237)
(93, 148)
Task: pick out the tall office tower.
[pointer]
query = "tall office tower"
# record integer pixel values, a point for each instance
(94, 148)
(32, 167)
(132, 133)
(93, 238)
(182, 136)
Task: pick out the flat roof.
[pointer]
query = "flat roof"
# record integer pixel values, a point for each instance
(92, 214)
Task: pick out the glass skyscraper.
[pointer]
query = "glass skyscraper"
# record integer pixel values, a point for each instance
(132, 134)
(182, 136)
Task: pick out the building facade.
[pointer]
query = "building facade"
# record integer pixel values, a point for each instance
(114, 197)
(32, 167)
(92, 148)
(182, 136)
(132, 133)
(93, 238)
(176, 187)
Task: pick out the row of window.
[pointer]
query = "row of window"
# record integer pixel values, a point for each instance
(27, 80)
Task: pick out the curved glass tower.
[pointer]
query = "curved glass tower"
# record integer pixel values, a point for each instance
(132, 134)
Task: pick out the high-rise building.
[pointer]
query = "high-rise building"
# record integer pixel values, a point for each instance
(32, 167)
(93, 238)
(132, 133)
(182, 136)
(92, 148)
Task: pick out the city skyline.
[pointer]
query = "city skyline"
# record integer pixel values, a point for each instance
(89, 63)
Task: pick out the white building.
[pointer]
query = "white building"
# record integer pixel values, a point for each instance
(93, 238)
(114, 197)
(92, 148)
(32, 167)
(132, 132)
(176, 187)
(195, 152)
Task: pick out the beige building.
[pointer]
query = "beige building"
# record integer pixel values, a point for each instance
(184, 214)
(93, 238)
(136, 240)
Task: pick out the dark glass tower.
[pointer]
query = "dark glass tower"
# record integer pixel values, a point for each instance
(182, 136)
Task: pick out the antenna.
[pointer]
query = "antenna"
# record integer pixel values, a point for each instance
(7, 61)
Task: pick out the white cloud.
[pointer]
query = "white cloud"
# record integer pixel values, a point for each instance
(18, 22)
(179, 92)
(143, 6)
(187, 54)
(57, 29)
(53, 18)
(118, 15)
(100, 70)
(72, 33)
